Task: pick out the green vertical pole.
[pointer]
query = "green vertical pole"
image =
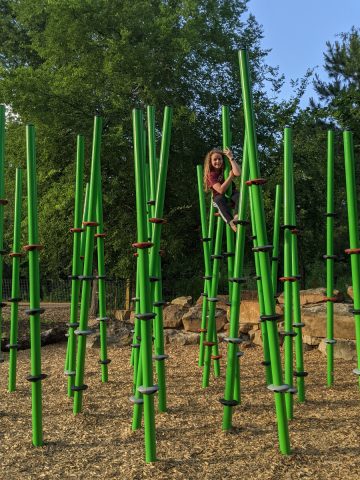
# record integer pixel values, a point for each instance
(149, 206)
(354, 249)
(288, 278)
(211, 231)
(85, 216)
(330, 257)
(34, 289)
(212, 350)
(152, 157)
(232, 395)
(265, 341)
(3, 202)
(155, 260)
(90, 224)
(276, 238)
(206, 251)
(135, 346)
(269, 304)
(77, 231)
(229, 233)
(211, 336)
(145, 315)
(15, 288)
(297, 324)
(82, 256)
(103, 318)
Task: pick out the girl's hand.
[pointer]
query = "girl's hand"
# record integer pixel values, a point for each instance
(228, 153)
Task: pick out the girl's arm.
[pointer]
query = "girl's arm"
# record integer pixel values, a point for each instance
(221, 188)
(234, 166)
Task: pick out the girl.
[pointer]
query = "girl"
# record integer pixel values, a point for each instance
(214, 180)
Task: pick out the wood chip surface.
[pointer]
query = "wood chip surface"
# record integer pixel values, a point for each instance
(99, 443)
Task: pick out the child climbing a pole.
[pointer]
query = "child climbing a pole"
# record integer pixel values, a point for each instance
(214, 167)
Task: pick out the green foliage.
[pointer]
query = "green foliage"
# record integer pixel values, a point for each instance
(62, 62)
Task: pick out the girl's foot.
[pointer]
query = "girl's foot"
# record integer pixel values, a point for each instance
(232, 226)
(236, 217)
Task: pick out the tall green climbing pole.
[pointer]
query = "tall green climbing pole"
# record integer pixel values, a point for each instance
(77, 231)
(90, 225)
(34, 312)
(297, 324)
(103, 318)
(264, 335)
(155, 258)
(229, 254)
(276, 238)
(211, 344)
(145, 391)
(263, 248)
(288, 278)
(15, 255)
(330, 258)
(354, 250)
(233, 354)
(205, 239)
(3, 202)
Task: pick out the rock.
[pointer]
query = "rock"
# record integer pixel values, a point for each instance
(255, 337)
(313, 295)
(350, 292)
(250, 312)
(54, 334)
(184, 338)
(308, 348)
(118, 333)
(192, 319)
(122, 315)
(343, 348)
(245, 327)
(314, 317)
(172, 315)
(220, 304)
(182, 301)
(168, 333)
(311, 341)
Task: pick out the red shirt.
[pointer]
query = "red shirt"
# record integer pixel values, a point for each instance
(215, 176)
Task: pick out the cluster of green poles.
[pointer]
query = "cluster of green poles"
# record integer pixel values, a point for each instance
(88, 229)
(266, 268)
(148, 341)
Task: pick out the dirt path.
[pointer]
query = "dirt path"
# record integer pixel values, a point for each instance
(325, 434)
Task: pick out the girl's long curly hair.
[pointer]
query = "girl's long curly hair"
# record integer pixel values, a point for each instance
(208, 167)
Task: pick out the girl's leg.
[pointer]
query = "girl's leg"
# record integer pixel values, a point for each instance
(221, 204)
(235, 200)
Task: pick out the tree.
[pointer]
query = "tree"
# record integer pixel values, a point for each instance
(62, 62)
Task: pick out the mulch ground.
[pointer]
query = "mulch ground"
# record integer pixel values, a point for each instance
(99, 443)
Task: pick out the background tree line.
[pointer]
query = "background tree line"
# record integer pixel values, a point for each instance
(63, 62)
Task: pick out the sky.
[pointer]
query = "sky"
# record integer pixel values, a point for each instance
(297, 32)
